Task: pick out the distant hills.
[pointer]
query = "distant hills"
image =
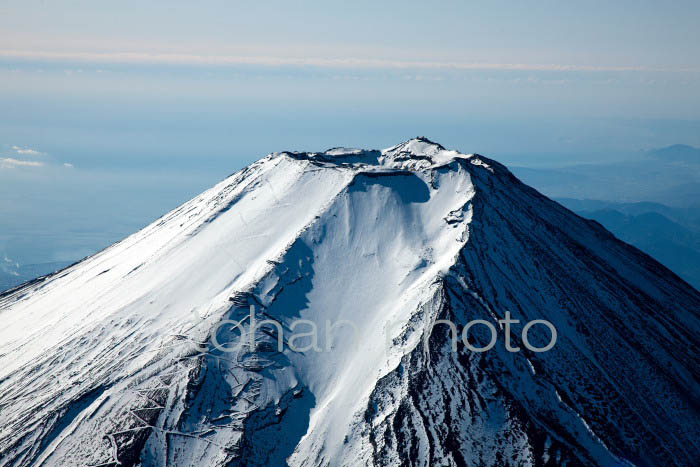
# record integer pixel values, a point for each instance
(678, 153)
(668, 175)
(670, 235)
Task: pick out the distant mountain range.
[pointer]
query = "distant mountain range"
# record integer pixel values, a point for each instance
(671, 235)
(669, 176)
(678, 153)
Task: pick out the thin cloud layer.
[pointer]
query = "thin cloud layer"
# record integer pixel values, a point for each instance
(369, 63)
(11, 163)
(27, 151)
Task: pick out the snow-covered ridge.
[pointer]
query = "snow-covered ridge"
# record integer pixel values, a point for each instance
(415, 154)
(112, 362)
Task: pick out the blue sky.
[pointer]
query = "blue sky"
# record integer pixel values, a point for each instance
(131, 107)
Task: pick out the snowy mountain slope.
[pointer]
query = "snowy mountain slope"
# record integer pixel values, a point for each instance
(114, 361)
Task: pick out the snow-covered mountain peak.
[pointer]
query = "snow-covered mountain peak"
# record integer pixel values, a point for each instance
(419, 146)
(117, 360)
(413, 155)
(418, 153)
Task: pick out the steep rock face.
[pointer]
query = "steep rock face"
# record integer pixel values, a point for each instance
(127, 358)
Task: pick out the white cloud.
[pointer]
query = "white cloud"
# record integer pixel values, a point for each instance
(68, 164)
(27, 151)
(11, 163)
